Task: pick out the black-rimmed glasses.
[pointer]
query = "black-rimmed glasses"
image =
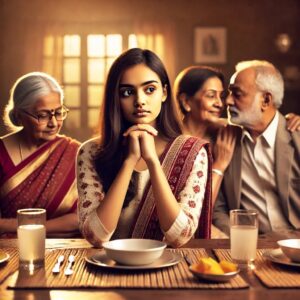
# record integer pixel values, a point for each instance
(44, 116)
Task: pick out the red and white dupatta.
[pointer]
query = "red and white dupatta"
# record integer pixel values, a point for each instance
(177, 162)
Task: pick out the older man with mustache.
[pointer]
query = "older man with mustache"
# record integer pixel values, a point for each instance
(264, 173)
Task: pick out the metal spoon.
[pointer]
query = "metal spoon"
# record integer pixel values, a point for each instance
(69, 270)
(56, 268)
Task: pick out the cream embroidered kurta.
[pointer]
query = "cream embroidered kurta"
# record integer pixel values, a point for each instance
(91, 194)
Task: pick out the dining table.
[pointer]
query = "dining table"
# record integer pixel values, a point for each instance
(266, 280)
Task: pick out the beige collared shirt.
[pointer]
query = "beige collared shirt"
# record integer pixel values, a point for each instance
(258, 190)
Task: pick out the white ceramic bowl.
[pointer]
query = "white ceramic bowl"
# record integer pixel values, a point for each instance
(291, 248)
(134, 251)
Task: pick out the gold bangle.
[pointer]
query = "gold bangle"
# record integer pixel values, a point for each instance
(218, 172)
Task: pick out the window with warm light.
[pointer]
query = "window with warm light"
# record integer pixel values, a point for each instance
(81, 63)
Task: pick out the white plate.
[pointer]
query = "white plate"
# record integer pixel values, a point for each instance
(277, 256)
(3, 256)
(167, 259)
(214, 277)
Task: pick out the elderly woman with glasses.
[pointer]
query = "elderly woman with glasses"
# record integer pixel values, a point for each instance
(37, 165)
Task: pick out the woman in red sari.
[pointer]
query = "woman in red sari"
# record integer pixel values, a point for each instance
(142, 178)
(37, 165)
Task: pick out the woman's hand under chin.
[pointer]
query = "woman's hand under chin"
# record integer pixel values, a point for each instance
(142, 137)
(133, 146)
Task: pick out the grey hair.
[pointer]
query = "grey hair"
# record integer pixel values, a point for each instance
(25, 92)
(268, 78)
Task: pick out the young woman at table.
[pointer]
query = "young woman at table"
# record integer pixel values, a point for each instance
(37, 165)
(142, 178)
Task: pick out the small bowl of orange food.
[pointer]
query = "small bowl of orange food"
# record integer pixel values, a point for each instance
(210, 270)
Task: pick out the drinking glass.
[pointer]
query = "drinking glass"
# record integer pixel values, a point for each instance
(243, 236)
(31, 237)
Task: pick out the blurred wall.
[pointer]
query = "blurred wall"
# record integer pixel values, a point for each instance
(252, 26)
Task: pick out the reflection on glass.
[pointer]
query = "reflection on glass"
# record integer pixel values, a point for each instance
(95, 95)
(93, 117)
(72, 70)
(96, 70)
(113, 44)
(72, 96)
(71, 45)
(96, 45)
(73, 119)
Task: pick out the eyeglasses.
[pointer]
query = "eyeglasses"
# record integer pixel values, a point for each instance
(44, 116)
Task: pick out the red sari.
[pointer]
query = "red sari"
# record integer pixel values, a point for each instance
(177, 162)
(45, 179)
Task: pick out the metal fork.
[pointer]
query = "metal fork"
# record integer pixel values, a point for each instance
(69, 270)
(187, 259)
(56, 268)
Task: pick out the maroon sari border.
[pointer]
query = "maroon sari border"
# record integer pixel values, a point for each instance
(147, 188)
(61, 193)
(16, 168)
(179, 172)
(193, 146)
(5, 155)
(68, 181)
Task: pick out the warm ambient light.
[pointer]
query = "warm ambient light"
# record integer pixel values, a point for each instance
(283, 42)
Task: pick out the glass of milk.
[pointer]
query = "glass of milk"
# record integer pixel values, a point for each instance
(243, 236)
(31, 237)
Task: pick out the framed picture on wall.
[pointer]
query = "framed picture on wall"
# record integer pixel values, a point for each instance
(210, 45)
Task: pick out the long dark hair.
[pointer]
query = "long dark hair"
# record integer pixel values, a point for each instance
(111, 154)
(191, 79)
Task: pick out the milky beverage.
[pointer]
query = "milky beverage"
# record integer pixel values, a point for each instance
(31, 240)
(243, 242)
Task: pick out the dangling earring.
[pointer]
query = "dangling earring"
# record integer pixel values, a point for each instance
(188, 109)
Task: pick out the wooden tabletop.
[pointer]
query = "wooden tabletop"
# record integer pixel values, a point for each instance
(256, 290)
